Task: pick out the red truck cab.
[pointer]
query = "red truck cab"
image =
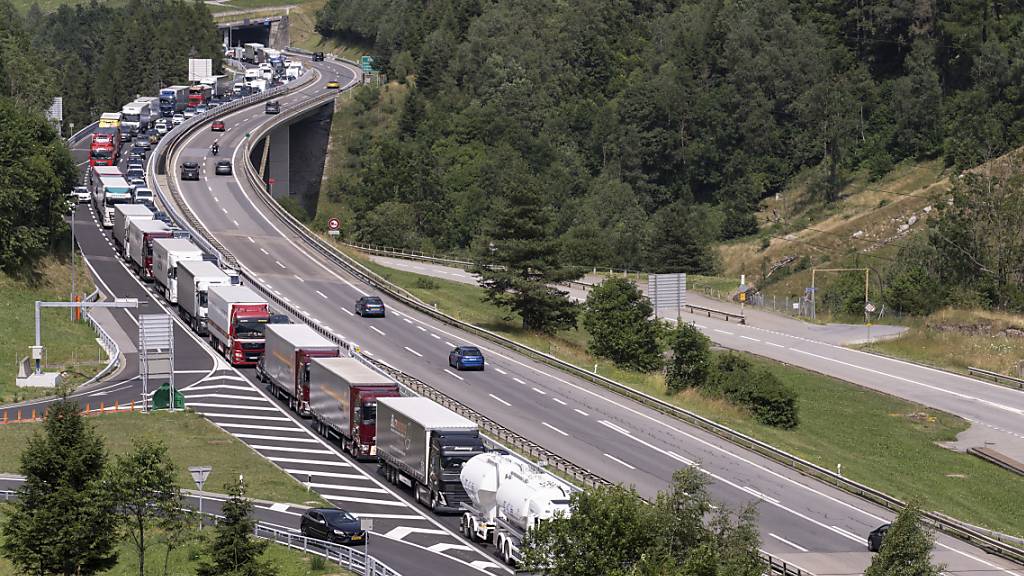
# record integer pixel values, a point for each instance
(237, 318)
(364, 416)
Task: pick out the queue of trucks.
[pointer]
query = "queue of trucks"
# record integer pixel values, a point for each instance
(435, 453)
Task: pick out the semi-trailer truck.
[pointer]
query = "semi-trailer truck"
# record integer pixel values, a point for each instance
(286, 362)
(123, 214)
(194, 281)
(220, 85)
(113, 190)
(237, 318)
(507, 498)
(252, 52)
(198, 95)
(173, 99)
(141, 234)
(168, 253)
(110, 120)
(343, 395)
(423, 446)
(132, 117)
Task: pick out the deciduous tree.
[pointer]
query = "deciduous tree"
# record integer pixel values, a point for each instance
(618, 318)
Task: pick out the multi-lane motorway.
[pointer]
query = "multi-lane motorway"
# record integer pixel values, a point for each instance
(806, 522)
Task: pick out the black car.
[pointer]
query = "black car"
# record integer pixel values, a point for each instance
(370, 306)
(272, 107)
(876, 537)
(223, 168)
(333, 525)
(190, 171)
(318, 56)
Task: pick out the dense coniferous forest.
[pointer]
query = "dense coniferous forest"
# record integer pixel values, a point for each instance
(651, 129)
(96, 57)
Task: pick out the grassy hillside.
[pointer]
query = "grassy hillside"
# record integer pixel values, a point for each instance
(70, 346)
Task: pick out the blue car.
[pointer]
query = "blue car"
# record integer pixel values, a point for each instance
(466, 358)
(370, 306)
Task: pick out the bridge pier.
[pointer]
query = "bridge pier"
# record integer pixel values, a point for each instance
(296, 157)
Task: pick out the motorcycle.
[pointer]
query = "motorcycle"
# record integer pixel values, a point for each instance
(214, 149)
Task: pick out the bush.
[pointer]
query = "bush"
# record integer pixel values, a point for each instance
(691, 359)
(426, 283)
(770, 401)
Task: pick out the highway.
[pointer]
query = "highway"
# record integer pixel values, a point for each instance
(236, 403)
(806, 522)
(996, 412)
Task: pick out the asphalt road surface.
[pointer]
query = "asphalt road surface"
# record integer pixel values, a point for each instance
(806, 522)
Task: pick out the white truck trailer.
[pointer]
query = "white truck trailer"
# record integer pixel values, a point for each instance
(123, 214)
(168, 253)
(194, 280)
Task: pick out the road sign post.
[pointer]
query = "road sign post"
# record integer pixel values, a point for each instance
(367, 525)
(199, 475)
(333, 226)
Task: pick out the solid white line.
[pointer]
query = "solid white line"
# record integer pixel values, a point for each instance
(581, 412)
(413, 351)
(539, 391)
(454, 374)
(614, 459)
(556, 429)
(560, 401)
(377, 330)
(499, 400)
(784, 541)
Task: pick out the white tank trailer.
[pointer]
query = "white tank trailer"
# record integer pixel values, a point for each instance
(508, 497)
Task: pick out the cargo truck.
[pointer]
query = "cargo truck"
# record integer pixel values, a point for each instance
(423, 446)
(113, 190)
(141, 234)
(110, 120)
(168, 253)
(132, 117)
(194, 281)
(507, 498)
(198, 95)
(123, 214)
(237, 318)
(252, 52)
(173, 99)
(343, 395)
(285, 365)
(220, 85)
(96, 173)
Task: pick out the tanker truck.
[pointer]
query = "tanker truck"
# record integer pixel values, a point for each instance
(507, 498)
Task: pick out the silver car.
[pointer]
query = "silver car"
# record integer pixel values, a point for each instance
(178, 118)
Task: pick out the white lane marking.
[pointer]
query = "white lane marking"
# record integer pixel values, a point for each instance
(278, 438)
(225, 210)
(435, 336)
(556, 429)
(215, 199)
(454, 374)
(396, 503)
(449, 343)
(130, 317)
(400, 532)
(749, 338)
(784, 541)
(328, 463)
(539, 391)
(614, 459)
(250, 239)
(723, 332)
(960, 395)
(846, 533)
(260, 448)
(349, 312)
(367, 489)
(407, 320)
(559, 400)
(279, 265)
(235, 222)
(413, 351)
(499, 400)
(299, 278)
(378, 330)
(322, 295)
(581, 412)
(422, 329)
(774, 344)
(760, 495)
(519, 380)
(500, 371)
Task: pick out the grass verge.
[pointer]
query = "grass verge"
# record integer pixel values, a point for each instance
(70, 346)
(185, 558)
(191, 441)
(882, 441)
(957, 339)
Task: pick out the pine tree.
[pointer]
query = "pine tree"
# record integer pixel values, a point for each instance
(522, 259)
(906, 548)
(63, 521)
(234, 550)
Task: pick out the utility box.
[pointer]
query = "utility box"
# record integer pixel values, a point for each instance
(161, 398)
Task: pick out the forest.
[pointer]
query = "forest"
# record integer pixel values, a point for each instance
(97, 57)
(647, 131)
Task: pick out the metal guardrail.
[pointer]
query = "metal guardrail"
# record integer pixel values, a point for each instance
(997, 377)
(106, 341)
(345, 556)
(989, 541)
(409, 255)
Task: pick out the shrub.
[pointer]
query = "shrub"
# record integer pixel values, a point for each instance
(426, 283)
(691, 359)
(770, 401)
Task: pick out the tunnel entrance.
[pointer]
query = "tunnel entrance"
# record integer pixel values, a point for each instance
(240, 35)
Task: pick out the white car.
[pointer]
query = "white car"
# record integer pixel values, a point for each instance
(143, 195)
(81, 193)
(178, 118)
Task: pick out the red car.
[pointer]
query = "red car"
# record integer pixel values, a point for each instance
(217, 126)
